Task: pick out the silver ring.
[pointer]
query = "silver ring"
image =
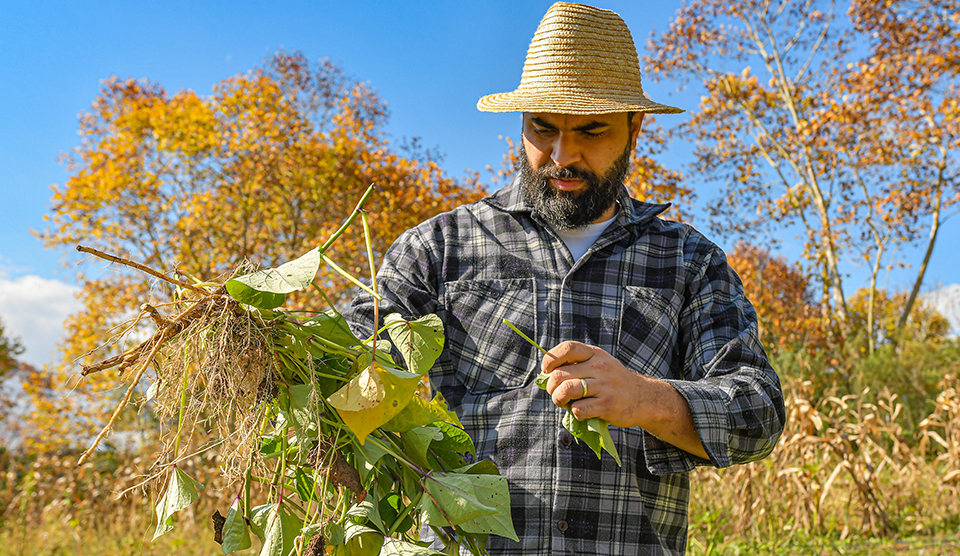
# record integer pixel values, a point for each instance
(583, 382)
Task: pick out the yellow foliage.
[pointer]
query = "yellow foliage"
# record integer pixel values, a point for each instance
(261, 170)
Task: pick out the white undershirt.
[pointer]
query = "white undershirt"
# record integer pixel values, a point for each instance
(579, 241)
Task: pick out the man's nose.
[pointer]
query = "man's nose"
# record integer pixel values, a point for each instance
(565, 150)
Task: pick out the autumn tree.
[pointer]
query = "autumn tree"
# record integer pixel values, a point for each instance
(263, 169)
(835, 120)
(10, 348)
(780, 292)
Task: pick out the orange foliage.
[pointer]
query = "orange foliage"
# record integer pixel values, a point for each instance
(262, 170)
(780, 292)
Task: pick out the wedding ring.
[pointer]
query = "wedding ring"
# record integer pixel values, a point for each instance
(583, 382)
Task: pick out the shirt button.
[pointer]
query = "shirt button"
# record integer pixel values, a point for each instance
(566, 439)
(562, 525)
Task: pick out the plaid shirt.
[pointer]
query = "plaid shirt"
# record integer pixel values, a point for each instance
(655, 294)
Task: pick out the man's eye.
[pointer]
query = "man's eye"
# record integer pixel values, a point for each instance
(593, 133)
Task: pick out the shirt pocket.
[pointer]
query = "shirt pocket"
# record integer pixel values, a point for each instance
(487, 356)
(648, 331)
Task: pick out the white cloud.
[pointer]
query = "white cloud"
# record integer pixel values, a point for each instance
(946, 300)
(33, 309)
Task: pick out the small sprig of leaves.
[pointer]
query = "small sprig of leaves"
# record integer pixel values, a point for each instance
(594, 432)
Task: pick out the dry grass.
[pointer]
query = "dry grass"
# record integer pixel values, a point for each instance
(844, 470)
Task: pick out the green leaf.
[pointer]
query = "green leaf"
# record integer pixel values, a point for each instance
(389, 508)
(334, 534)
(331, 326)
(396, 547)
(361, 540)
(303, 480)
(303, 408)
(419, 341)
(420, 412)
(482, 467)
(181, 492)
(452, 498)
(492, 491)
(454, 442)
(369, 511)
(280, 531)
(373, 397)
(292, 276)
(258, 520)
(249, 296)
(236, 535)
(367, 457)
(594, 432)
(417, 441)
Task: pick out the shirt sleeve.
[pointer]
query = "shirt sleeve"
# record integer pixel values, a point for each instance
(733, 392)
(411, 292)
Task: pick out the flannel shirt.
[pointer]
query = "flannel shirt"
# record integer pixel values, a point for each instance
(656, 294)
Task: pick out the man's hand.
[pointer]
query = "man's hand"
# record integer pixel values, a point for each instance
(618, 395)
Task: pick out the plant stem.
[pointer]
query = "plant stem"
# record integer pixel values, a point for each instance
(349, 276)
(350, 219)
(524, 336)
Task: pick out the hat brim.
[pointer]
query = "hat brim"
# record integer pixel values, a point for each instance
(569, 103)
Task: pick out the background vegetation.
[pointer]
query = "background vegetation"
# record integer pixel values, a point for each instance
(838, 122)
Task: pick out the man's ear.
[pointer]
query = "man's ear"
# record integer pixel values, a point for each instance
(635, 125)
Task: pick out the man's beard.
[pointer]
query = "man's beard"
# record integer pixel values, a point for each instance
(570, 210)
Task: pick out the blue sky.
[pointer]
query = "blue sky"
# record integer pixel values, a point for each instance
(429, 60)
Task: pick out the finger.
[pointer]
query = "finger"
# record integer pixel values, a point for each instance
(566, 353)
(587, 408)
(568, 391)
(565, 373)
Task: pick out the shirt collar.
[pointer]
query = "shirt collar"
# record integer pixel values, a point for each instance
(510, 199)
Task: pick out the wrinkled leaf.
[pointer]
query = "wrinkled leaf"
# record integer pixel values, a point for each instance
(420, 412)
(289, 277)
(181, 492)
(396, 388)
(419, 341)
(236, 535)
(453, 498)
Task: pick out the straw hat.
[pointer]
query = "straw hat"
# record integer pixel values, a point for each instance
(581, 61)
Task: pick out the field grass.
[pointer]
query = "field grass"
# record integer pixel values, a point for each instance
(855, 473)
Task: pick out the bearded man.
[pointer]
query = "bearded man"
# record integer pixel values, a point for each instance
(647, 326)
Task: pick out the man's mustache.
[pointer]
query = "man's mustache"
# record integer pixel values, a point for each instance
(557, 172)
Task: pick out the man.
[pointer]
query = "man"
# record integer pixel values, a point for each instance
(646, 325)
